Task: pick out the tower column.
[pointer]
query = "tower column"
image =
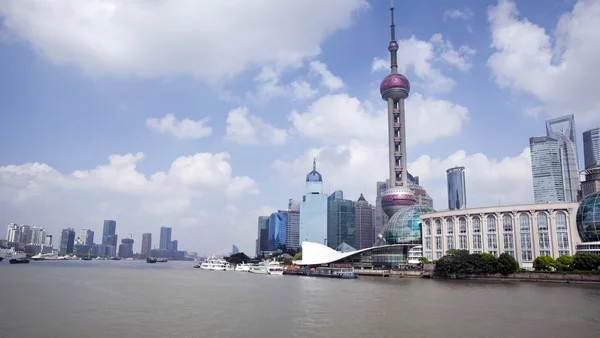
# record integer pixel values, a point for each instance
(403, 143)
(391, 145)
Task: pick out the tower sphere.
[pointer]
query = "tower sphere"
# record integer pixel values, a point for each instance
(395, 86)
(395, 199)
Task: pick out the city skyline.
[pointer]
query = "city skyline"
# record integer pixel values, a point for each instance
(231, 133)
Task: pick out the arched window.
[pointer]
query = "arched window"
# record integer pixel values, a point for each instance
(562, 235)
(524, 223)
(561, 221)
(476, 224)
(491, 223)
(543, 235)
(526, 247)
(542, 222)
(438, 227)
(462, 223)
(507, 223)
(449, 226)
(427, 228)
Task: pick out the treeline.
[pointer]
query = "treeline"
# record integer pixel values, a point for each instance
(459, 263)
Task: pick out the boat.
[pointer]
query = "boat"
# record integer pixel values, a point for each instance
(18, 261)
(12, 254)
(151, 260)
(274, 268)
(242, 267)
(260, 268)
(214, 263)
(1, 258)
(161, 260)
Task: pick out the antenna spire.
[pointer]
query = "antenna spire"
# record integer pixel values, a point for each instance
(314, 163)
(393, 47)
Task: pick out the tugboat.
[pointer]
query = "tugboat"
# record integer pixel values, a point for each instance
(1, 258)
(19, 261)
(151, 260)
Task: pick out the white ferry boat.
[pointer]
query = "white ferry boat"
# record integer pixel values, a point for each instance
(274, 268)
(260, 268)
(242, 267)
(11, 254)
(214, 264)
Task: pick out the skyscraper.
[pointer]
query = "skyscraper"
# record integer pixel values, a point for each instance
(126, 248)
(313, 209)
(109, 233)
(67, 240)
(340, 221)
(380, 217)
(87, 237)
(591, 148)
(394, 89)
(363, 219)
(165, 238)
(277, 230)
(263, 235)
(13, 234)
(146, 244)
(457, 191)
(292, 240)
(38, 235)
(26, 234)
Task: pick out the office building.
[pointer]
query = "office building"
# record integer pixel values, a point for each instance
(340, 221)
(591, 148)
(292, 232)
(87, 237)
(263, 235)
(26, 234)
(523, 231)
(126, 248)
(546, 169)
(277, 230)
(457, 191)
(591, 184)
(146, 244)
(313, 209)
(67, 241)
(110, 238)
(363, 218)
(165, 238)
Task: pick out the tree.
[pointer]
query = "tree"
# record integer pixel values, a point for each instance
(564, 263)
(238, 258)
(586, 261)
(543, 263)
(507, 264)
(423, 260)
(298, 256)
(489, 263)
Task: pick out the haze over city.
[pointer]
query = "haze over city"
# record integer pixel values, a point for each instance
(186, 118)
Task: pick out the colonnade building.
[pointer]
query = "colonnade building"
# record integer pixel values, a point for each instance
(523, 231)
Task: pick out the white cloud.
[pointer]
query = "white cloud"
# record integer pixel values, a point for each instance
(328, 80)
(244, 128)
(187, 197)
(333, 119)
(164, 38)
(423, 58)
(184, 129)
(302, 90)
(465, 14)
(557, 69)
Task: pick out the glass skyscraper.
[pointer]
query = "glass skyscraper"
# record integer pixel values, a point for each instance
(277, 230)
(165, 238)
(67, 240)
(363, 218)
(292, 240)
(591, 148)
(313, 210)
(341, 224)
(457, 191)
(263, 235)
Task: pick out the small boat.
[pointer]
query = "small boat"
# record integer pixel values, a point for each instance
(242, 267)
(260, 268)
(19, 261)
(151, 260)
(274, 268)
(161, 260)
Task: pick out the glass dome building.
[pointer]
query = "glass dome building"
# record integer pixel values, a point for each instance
(405, 226)
(588, 218)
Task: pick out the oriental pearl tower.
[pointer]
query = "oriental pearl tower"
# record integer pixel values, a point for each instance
(394, 89)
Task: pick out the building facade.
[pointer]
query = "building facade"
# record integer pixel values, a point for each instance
(363, 218)
(546, 169)
(263, 235)
(292, 240)
(381, 218)
(67, 241)
(313, 209)
(146, 244)
(126, 248)
(87, 237)
(277, 230)
(591, 184)
(165, 238)
(523, 231)
(591, 148)
(457, 191)
(341, 224)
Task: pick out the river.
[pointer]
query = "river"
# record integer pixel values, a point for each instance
(99, 299)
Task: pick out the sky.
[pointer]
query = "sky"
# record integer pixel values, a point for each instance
(203, 115)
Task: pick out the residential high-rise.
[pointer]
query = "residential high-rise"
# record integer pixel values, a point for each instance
(457, 191)
(38, 236)
(13, 234)
(263, 235)
(292, 240)
(67, 240)
(394, 89)
(26, 234)
(165, 238)
(277, 230)
(313, 209)
(546, 169)
(363, 218)
(87, 237)
(146, 244)
(340, 221)
(126, 248)
(591, 148)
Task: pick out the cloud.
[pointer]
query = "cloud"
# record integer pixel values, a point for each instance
(184, 129)
(423, 57)
(554, 68)
(243, 128)
(188, 196)
(302, 90)
(207, 39)
(328, 80)
(465, 14)
(333, 119)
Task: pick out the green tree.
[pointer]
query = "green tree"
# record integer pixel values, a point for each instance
(423, 260)
(543, 263)
(586, 261)
(507, 264)
(298, 256)
(564, 263)
(489, 263)
(238, 258)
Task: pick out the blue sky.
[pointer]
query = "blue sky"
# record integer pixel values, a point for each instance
(263, 89)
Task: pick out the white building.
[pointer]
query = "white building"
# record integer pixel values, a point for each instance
(523, 231)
